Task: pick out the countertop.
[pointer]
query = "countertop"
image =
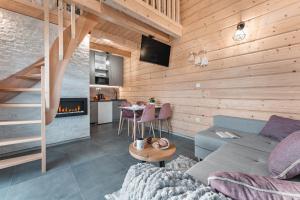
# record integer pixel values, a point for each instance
(104, 100)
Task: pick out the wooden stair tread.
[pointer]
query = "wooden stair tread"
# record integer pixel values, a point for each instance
(20, 89)
(19, 122)
(30, 76)
(19, 140)
(19, 160)
(19, 105)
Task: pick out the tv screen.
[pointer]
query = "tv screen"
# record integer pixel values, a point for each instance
(154, 51)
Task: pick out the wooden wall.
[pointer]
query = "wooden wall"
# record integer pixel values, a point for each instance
(255, 78)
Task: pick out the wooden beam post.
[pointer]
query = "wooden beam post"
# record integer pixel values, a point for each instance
(169, 9)
(110, 49)
(173, 10)
(177, 11)
(43, 121)
(73, 20)
(47, 53)
(159, 5)
(60, 30)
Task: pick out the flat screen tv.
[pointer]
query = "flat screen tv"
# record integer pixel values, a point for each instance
(153, 51)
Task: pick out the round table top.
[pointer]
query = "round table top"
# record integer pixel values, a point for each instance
(150, 154)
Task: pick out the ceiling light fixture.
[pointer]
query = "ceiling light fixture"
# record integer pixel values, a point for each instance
(239, 33)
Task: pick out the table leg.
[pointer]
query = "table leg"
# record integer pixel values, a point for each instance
(134, 126)
(162, 164)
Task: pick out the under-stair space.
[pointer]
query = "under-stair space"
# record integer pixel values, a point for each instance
(48, 70)
(21, 107)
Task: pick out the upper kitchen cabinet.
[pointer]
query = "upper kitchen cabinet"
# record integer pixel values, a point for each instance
(115, 70)
(106, 69)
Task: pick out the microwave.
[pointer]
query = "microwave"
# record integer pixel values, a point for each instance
(101, 80)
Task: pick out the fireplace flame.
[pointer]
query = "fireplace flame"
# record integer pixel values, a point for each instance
(68, 110)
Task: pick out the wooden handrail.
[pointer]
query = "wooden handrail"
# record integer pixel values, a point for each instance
(168, 8)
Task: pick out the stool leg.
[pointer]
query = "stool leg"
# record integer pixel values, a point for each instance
(143, 129)
(138, 125)
(128, 126)
(169, 126)
(120, 122)
(159, 124)
(151, 127)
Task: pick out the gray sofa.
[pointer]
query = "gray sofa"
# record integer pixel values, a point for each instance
(247, 154)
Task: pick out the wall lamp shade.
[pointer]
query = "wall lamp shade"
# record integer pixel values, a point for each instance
(239, 33)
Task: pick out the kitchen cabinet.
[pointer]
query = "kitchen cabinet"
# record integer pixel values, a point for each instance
(116, 71)
(116, 110)
(106, 69)
(105, 112)
(94, 112)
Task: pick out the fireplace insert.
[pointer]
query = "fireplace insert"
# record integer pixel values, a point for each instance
(72, 107)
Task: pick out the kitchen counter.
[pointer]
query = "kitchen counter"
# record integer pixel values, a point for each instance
(105, 111)
(108, 100)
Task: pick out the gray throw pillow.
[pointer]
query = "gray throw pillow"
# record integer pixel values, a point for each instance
(279, 128)
(240, 186)
(284, 160)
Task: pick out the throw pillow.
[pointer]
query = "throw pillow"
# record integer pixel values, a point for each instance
(279, 128)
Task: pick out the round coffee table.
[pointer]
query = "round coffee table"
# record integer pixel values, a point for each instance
(150, 154)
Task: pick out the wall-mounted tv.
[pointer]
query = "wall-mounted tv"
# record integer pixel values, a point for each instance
(153, 51)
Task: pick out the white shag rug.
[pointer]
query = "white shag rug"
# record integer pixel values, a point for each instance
(147, 182)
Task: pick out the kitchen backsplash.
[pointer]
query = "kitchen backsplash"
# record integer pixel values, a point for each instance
(109, 93)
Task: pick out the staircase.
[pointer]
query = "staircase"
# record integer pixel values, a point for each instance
(41, 122)
(23, 82)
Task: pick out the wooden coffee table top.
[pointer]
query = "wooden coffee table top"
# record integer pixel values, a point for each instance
(150, 154)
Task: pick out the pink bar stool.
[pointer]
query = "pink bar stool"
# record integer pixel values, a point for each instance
(125, 115)
(165, 114)
(148, 116)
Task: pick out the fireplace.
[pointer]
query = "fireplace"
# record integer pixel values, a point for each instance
(72, 107)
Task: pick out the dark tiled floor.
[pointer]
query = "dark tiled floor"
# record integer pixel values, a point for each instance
(83, 170)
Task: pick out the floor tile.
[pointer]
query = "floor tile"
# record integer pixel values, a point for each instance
(83, 170)
(60, 185)
(96, 172)
(55, 161)
(6, 177)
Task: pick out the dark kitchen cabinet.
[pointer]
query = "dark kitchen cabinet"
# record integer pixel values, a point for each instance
(116, 109)
(116, 71)
(106, 69)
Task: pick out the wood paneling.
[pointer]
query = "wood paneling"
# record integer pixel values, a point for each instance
(253, 78)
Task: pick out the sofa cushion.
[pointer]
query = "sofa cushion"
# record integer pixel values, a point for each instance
(284, 160)
(209, 140)
(251, 126)
(234, 158)
(279, 128)
(244, 186)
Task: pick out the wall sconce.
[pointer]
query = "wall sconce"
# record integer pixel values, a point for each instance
(191, 58)
(204, 60)
(239, 33)
(198, 58)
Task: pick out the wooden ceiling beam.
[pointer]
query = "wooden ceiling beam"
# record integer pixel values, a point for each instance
(129, 45)
(110, 49)
(142, 11)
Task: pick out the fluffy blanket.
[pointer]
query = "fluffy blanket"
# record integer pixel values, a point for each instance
(147, 182)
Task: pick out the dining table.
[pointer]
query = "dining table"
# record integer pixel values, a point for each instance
(134, 109)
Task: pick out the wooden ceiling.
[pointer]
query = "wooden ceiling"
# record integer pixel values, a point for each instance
(115, 36)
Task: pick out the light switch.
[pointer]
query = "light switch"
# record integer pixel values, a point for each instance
(198, 120)
(198, 85)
